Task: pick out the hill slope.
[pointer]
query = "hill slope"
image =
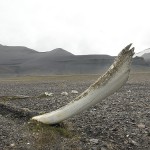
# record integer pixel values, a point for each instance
(17, 60)
(15, 54)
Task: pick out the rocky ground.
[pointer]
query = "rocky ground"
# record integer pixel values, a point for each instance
(120, 122)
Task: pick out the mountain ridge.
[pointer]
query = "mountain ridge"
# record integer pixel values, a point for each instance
(19, 60)
(143, 52)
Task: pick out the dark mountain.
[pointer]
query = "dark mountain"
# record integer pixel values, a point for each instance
(17, 60)
(15, 54)
(139, 61)
(67, 64)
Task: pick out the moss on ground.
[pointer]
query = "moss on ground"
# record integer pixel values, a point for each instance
(42, 96)
(60, 129)
(45, 134)
(7, 98)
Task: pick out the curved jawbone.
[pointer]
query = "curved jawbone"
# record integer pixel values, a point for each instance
(105, 85)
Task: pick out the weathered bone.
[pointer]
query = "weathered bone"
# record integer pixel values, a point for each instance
(106, 85)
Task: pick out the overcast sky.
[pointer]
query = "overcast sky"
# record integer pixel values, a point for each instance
(78, 26)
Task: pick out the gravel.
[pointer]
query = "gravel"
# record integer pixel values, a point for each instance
(119, 122)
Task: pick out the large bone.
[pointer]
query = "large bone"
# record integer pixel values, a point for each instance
(106, 85)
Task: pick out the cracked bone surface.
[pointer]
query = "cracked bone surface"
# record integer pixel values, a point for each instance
(107, 84)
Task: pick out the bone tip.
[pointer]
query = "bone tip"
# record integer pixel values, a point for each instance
(35, 118)
(128, 47)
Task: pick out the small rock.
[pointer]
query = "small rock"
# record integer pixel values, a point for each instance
(133, 142)
(95, 141)
(48, 94)
(141, 125)
(12, 145)
(64, 93)
(74, 92)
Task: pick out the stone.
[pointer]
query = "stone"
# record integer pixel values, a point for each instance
(141, 125)
(64, 93)
(74, 92)
(12, 145)
(95, 141)
(48, 94)
(133, 142)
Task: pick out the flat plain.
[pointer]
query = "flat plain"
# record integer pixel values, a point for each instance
(119, 122)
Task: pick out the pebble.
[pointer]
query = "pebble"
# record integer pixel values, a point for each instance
(48, 94)
(74, 92)
(133, 142)
(141, 125)
(64, 93)
(12, 145)
(95, 141)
